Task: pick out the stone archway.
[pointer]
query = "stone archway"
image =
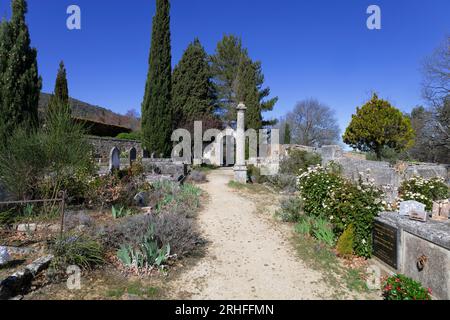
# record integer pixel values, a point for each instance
(132, 155)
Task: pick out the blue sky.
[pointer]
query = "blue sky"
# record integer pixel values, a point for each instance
(309, 48)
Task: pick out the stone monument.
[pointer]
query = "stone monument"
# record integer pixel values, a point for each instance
(240, 169)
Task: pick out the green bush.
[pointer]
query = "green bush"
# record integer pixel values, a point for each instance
(145, 254)
(299, 160)
(325, 194)
(42, 163)
(136, 136)
(304, 226)
(345, 242)
(424, 191)
(76, 250)
(400, 287)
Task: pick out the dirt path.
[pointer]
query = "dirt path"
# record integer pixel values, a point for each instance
(247, 258)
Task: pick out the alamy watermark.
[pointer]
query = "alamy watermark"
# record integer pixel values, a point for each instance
(73, 22)
(374, 20)
(261, 146)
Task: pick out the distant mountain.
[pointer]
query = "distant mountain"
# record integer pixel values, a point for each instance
(90, 112)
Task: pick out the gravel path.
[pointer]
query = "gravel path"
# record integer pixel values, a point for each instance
(247, 258)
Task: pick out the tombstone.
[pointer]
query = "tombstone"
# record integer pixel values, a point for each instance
(114, 159)
(413, 209)
(133, 155)
(441, 210)
(407, 206)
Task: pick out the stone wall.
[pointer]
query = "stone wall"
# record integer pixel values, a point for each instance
(383, 174)
(103, 147)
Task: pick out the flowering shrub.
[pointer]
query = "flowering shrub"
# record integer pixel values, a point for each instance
(424, 191)
(326, 194)
(400, 287)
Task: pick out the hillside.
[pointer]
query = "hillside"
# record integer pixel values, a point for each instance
(87, 111)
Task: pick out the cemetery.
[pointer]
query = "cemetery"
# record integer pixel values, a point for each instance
(97, 210)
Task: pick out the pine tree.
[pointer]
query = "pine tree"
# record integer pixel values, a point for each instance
(156, 107)
(287, 133)
(247, 92)
(225, 66)
(192, 89)
(60, 97)
(20, 83)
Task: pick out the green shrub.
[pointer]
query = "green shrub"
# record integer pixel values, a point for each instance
(299, 160)
(400, 287)
(345, 242)
(40, 164)
(76, 250)
(325, 194)
(424, 191)
(323, 231)
(144, 254)
(291, 209)
(136, 136)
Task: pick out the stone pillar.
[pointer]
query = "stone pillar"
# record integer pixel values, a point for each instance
(240, 169)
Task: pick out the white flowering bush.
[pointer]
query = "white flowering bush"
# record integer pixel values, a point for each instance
(327, 195)
(424, 191)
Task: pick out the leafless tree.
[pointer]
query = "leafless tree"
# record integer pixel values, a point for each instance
(313, 124)
(436, 91)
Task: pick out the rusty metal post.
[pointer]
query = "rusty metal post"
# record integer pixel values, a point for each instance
(63, 200)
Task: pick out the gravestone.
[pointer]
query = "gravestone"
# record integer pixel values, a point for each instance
(114, 160)
(411, 206)
(385, 243)
(133, 155)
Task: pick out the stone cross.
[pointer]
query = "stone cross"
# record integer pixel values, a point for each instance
(240, 169)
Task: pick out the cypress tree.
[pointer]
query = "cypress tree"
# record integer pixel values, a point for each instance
(60, 98)
(156, 107)
(20, 84)
(192, 89)
(287, 134)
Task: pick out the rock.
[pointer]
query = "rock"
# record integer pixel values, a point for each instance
(141, 199)
(4, 256)
(32, 227)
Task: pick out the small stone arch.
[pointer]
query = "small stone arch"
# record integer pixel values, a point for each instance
(114, 159)
(132, 155)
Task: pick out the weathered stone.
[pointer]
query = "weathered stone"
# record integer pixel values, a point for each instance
(20, 281)
(4, 256)
(409, 207)
(32, 227)
(441, 210)
(423, 251)
(164, 167)
(240, 169)
(114, 159)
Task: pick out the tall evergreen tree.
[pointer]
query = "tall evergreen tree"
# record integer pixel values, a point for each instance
(225, 65)
(60, 98)
(192, 89)
(247, 92)
(287, 133)
(20, 84)
(156, 107)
